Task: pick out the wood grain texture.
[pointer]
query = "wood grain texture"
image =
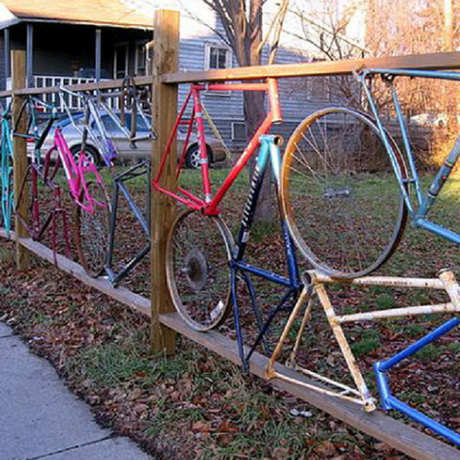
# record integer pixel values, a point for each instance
(18, 73)
(434, 61)
(105, 84)
(166, 59)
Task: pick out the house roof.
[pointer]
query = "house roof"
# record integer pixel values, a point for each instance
(115, 13)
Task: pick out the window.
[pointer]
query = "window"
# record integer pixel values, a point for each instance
(239, 132)
(141, 123)
(110, 125)
(120, 60)
(217, 57)
(114, 130)
(140, 58)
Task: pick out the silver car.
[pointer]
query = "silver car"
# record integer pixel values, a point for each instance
(125, 150)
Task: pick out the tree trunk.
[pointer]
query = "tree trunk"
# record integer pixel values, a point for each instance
(254, 103)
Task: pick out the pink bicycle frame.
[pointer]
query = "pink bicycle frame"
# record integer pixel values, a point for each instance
(209, 205)
(75, 172)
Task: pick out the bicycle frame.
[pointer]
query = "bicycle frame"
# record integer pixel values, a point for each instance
(143, 218)
(75, 172)
(269, 153)
(94, 110)
(419, 210)
(210, 204)
(6, 172)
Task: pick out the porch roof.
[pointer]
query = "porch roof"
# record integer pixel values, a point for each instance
(112, 13)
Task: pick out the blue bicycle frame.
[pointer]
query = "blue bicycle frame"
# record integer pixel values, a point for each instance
(390, 402)
(424, 200)
(418, 214)
(269, 152)
(6, 171)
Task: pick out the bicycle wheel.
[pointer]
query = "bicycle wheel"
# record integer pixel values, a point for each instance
(198, 272)
(343, 204)
(92, 231)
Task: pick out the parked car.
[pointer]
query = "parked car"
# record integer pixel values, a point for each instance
(125, 150)
(432, 119)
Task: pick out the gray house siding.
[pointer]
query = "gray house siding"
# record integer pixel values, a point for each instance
(299, 97)
(2, 63)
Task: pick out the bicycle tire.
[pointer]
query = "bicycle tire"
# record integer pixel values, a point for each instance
(198, 251)
(344, 207)
(92, 231)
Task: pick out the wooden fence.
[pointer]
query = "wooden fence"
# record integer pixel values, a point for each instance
(165, 322)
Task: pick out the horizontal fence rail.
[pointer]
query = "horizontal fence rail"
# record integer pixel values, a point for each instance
(102, 85)
(433, 61)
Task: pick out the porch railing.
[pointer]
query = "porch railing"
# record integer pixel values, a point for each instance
(74, 103)
(45, 81)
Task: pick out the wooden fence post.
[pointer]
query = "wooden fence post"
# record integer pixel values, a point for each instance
(165, 60)
(18, 73)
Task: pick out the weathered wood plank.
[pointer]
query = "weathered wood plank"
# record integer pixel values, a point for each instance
(18, 73)
(433, 61)
(104, 84)
(396, 434)
(166, 59)
(121, 294)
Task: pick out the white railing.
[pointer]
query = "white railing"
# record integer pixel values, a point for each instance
(74, 103)
(44, 81)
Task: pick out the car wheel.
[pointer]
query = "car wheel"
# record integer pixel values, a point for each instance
(91, 154)
(193, 160)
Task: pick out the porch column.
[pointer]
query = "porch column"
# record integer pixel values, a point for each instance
(29, 58)
(97, 65)
(7, 45)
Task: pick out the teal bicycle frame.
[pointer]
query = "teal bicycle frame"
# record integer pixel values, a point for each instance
(424, 200)
(6, 171)
(418, 212)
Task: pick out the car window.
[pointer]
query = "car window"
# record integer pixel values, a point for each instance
(110, 125)
(113, 129)
(141, 124)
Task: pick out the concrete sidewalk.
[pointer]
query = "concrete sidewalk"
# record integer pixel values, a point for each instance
(41, 419)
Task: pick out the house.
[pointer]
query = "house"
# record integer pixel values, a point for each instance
(85, 40)
(73, 41)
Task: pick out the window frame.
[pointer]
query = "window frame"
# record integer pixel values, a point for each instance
(116, 48)
(219, 46)
(139, 46)
(228, 64)
(233, 126)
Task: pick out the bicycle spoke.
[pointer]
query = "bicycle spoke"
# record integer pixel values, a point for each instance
(198, 272)
(344, 217)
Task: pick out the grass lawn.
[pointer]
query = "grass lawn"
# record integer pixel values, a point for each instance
(196, 405)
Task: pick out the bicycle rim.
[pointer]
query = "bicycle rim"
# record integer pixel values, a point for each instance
(198, 272)
(92, 230)
(343, 203)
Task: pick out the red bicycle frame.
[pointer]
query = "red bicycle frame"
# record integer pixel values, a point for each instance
(209, 205)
